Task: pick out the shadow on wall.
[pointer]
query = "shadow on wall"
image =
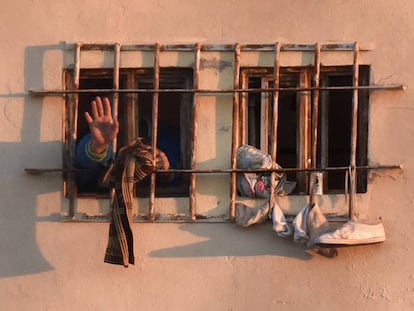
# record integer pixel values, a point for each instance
(20, 253)
(231, 240)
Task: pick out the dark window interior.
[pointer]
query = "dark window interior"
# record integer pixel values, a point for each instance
(174, 120)
(335, 124)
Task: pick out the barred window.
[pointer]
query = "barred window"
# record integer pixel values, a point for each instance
(310, 113)
(294, 121)
(135, 115)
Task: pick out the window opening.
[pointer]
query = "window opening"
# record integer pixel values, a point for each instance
(294, 113)
(174, 120)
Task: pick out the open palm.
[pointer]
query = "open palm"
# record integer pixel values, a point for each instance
(103, 127)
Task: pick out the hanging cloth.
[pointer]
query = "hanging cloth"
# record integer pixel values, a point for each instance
(133, 163)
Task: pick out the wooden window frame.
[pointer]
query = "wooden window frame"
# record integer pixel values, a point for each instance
(302, 78)
(129, 103)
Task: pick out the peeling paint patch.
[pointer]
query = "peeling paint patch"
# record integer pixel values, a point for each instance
(224, 129)
(214, 63)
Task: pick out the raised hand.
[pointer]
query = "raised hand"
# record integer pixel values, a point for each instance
(103, 127)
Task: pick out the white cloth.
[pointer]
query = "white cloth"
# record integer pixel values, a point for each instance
(307, 225)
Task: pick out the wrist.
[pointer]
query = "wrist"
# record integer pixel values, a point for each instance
(94, 153)
(97, 148)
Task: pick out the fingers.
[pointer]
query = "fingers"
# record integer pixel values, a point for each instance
(88, 118)
(101, 109)
(94, 110)
(107, 108)
(99, 106)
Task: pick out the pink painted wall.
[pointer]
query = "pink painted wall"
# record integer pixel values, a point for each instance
(49, 265)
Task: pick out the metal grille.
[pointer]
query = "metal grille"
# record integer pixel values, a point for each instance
(238, 113)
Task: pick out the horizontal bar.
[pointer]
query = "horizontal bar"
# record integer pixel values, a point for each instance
(160, 218)
(249, 90)
(169, 218)
(38, 171)
(280, 170)
(223, 47)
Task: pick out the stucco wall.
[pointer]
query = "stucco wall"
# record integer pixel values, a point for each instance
(49, 265)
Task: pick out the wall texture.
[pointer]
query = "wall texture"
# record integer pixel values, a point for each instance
(46, 264)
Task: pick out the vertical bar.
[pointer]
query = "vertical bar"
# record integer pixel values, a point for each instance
(235, 130)
(74, 130)
(155, 103)
(197, 50)
(132, 115)
(115, 103)
(275, 118)
(315, 119)
(115, 99)
(244, 109)
(354, 132)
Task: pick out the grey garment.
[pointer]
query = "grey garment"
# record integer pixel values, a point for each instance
(259, 184)
(247, 216)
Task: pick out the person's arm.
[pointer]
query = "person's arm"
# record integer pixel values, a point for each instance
(86, 158)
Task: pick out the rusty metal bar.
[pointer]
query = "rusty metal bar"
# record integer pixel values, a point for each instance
(115, 99)
(243, 108)
(155, 102)
(235, 131)
(74, 103)
(275, 118)
(115, 102)
(38, 171)
(197, 58)
(228, 47)
(315, 119)
(390, 87)
(354, 134)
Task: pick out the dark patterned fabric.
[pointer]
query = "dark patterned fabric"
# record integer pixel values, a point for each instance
(133, 163)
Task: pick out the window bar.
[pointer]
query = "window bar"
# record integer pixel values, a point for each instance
(275, 118)
(230, 47)
(115, 99)
(155, 102)
(384, 87)
(243, 108)
(235, 131)
(39, 171)
(354, 133)
(194, 129)
(315, 116)
(73, 134)
(115, 102)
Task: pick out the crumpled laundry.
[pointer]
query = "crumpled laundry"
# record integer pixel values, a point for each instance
(259, 184)
(308, 224)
